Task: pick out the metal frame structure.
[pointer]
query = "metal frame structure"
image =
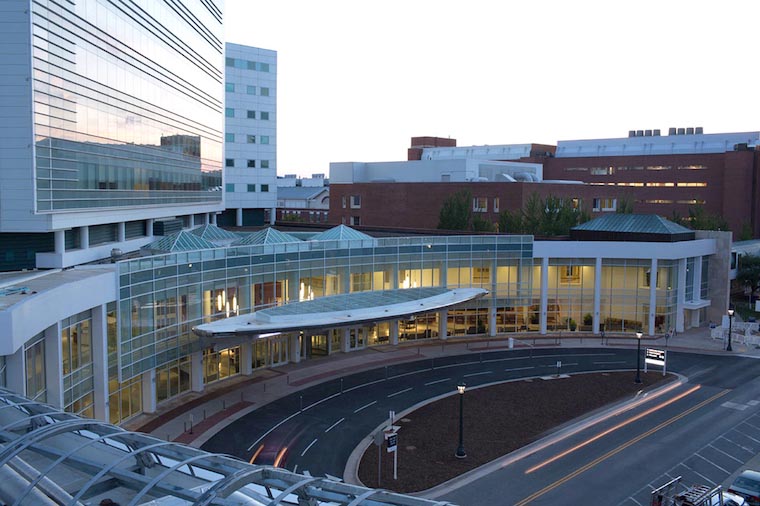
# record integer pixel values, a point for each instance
(52, 457)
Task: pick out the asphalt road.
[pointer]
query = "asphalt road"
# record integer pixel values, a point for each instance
(703, 433)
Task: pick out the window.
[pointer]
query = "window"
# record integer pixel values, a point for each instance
(251, 114)
(250, 90)
(229, 162)
(265, 188)
(264, 115)
(570, 274)
(229, 62)
(480, 204)
(251, 188)
(229, 87)
(228, 137)
(264, 92)
(229, 187)
(356, 220)
(604, 204)
(229, 112)
(343, 201)
(264, 164)
(265, 139)
(496, 204)
(251, 139)
(251, 164)
(602, 171)
(356, 201)
(262, 67)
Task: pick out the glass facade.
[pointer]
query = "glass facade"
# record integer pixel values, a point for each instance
(128, 100)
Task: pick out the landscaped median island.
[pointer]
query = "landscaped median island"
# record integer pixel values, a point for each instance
(497, 420)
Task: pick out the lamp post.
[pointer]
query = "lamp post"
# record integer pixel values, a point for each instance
(730, 321)
(638, 357)
(460, 454)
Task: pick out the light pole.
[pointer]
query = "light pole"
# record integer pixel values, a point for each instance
(460, 454)
(730, 321)
(638, 357)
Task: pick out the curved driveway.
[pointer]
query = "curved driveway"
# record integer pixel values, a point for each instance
(316, 429)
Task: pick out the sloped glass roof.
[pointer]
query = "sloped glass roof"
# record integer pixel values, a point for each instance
(213, 233)
(267, 235)
(631, 227)
(340, 233)
(180, 241)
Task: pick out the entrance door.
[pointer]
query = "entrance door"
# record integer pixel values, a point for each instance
(319, 345)
(279, 351)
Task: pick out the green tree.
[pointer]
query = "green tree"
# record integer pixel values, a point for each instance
(625, 206)
(511, 222)
(456, 213)
(550, 216)
(699, 219)
(481, 224)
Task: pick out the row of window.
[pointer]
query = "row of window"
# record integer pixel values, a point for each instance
(240, 63)
(609, 170)
(356, 201)
(229, 112)
(251, 164)
(251, 188)
(669, 201)
(249, 139)
(652, 184)
(249, 89)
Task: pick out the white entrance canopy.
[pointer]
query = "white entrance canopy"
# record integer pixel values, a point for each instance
(340, 311)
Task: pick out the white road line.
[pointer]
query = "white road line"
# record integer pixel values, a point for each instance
(363, 385)
(519, 369)
(320, 401)
(270, 430)
(437, 381)
(631, 498)
(399, 392)
(307, 448)
(331, 427)
(563, 364)
(725, 453)
(713, 463)
(477, 374)
(609, 363)
(712, 483)
(365, 406)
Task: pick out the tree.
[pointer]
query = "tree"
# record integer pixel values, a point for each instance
(748, 274)
(550, 216)
(625, 206)
(699, 219)
(456, 212)
(481, 224)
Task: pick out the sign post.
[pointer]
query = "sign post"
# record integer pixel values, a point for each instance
(391, 446)
(656, 357)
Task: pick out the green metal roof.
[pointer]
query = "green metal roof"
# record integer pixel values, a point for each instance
(180, 241)
(340, 233)
(213, 233)
(633, 223)
(267, 235)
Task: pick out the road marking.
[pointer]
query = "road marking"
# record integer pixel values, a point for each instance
(363, 385)
(320, 401)
(610, 363)
(712, 463)
(704, 478)
(733, 405)
(399, 392)
(365, 406)
(331, 427)
(617, 450)
(725, 453)
(272, 429)
(753, 403)
(477, 374)
(554, 366)
(307, 448)
(437, 381)
(518, 369)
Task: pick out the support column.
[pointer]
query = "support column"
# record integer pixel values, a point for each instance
(213, 218)
(239, 217)
(121, 231)
(491, 317)
(60, 241)
(100, 362)
(295, 350)
(54, 365)
(697, 278)
(149, 227)
(345, 335)
(443, 325)
(680, 294)
(393, 334)
(272, 215)
(84, 237)
(149, 391)
(206, 219)
(15, 372)
(652, 295)
(196, 371)
(597, 296)
(544, 294)
(246, 358)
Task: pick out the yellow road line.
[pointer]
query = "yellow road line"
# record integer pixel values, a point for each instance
(617, 450)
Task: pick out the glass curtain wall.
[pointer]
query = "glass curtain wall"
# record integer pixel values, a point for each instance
(570, 296)
(76, 349)
(624, 300)
(34, 356)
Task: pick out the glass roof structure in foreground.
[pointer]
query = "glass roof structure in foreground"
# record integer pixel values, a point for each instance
(52, 457)
(340, 311)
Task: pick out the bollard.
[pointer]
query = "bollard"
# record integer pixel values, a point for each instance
(204, 413)
(191, 423)
(480, 357)
(432, 363)
(386, 373)
(184, 426)
(301, 403)
(341, 384)
(265, 387)
(224, 404)
(511, 343)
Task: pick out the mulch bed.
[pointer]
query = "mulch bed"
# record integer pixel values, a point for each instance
(497, 421)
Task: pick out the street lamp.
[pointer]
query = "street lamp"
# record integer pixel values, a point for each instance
(638, 357)
(460, 454)
(730, 321)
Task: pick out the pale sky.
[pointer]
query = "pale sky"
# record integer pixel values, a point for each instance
(358, 78)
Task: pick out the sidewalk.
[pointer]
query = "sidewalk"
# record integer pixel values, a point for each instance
(195, 417)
